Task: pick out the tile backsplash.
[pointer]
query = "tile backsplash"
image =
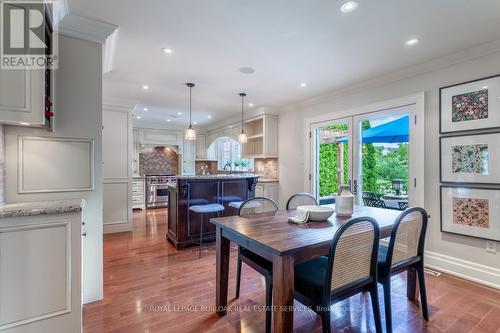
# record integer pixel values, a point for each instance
(159, 161)
(212, 166)
(266, 167)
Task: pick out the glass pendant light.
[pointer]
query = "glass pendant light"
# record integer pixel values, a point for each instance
(190, 132)
(242, 138)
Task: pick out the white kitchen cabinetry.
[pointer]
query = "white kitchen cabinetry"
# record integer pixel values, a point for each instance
(117, 153)
(188, 158)
(150, 136)
(22, 95)
(268, 189)
(201, 147)
(262, 133)
(40, 270)
(138, 193)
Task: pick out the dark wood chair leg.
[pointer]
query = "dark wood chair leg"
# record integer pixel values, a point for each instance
(386, 283)
(238, 274)
(376, 308)
(269, 302)
(325, 319)
(421, 286)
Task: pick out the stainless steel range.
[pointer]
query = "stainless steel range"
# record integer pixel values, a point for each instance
(157, 191)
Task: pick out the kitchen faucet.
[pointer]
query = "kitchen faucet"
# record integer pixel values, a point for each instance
(227, 165)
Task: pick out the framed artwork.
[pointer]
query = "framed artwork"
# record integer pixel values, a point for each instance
(469, 106)
(472, 158)
(471, 211)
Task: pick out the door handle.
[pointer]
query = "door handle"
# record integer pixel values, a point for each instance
(355, 187)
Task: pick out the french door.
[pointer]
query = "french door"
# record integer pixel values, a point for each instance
(373, 153)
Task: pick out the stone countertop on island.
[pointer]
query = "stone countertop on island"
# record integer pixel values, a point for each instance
(220, 176)
(21, 209)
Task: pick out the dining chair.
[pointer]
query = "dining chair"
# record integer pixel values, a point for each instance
(404, 252)
(403, 205)
(350, 268)
(255, 207)
(300, 199)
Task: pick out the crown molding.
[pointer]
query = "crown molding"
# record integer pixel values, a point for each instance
(408, 72)
(236, 119)
(119, 104)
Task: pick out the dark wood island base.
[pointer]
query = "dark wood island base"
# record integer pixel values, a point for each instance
(183, 224)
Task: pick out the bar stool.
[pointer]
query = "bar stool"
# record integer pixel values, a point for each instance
(236, 205)
(205, 209)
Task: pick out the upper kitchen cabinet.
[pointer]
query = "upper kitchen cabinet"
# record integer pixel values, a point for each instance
(27, 95)
(262, 133)
(148, 136)
(201, 147)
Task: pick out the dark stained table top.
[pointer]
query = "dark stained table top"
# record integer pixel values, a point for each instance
(281, 237)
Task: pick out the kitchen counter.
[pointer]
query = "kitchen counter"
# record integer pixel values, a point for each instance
(268, 180)
(220, 176)
(41, 208)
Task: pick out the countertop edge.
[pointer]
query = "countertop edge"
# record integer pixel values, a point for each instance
(36, 208)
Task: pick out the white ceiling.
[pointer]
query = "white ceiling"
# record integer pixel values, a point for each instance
(286, 41)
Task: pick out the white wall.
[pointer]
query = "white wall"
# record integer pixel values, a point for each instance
(459, 255)
(78, 107)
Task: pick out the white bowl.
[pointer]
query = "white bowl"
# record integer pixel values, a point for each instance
(317, 213)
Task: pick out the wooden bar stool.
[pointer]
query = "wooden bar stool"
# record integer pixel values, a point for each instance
(205, 209)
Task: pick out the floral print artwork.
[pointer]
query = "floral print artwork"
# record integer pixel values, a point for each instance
(470, 159)
(470, 106)
(471, 212)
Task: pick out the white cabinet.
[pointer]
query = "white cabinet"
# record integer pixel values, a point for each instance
(188, 158)
(201, 147)
(40, 270)
(150, 136)
(268, 189)
(22, 94)
(138, 193)
(262, 133)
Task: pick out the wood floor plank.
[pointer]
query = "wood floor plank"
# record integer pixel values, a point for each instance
(150, 287)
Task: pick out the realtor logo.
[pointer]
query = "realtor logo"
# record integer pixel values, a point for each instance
(27, 40)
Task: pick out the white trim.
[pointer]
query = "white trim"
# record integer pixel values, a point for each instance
(486, 275)
(85, 28)
(417, 99)
(408, 72)
(67, 309)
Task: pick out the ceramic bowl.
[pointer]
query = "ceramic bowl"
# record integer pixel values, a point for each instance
(317, 213)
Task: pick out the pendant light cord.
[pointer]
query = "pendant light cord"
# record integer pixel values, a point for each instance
(190, 88)
(242, 112)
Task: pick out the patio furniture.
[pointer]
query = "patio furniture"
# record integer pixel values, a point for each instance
(350, 268)
(392, 200)
(257, 206)
(372, 200)
(300, 199)
(404, 253)
(403, 205)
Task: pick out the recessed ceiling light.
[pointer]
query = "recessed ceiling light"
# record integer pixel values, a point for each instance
(194, 123)
(412, 41)
(168, 120)
(348, 6)
(303, 84)
(167, 50)
(246, 70)
(250, 104)
(145, 87)
(209, 116)
(146, 109)
(138, 117)
(179, 113)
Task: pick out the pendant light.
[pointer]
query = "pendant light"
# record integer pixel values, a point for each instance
(190, 132)
(242, 138)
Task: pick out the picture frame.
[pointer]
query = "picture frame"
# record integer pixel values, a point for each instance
(471, 105)
(470, 159)
(470, 211)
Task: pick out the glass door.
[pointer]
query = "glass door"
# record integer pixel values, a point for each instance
(381, 158)
(332, 157)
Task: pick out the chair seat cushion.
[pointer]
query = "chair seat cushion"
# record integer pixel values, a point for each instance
(310, 277)
(210, 208)
(235, 204)
(227, 198)
(262, 262)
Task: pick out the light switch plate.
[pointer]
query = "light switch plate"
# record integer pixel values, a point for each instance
(491, 247)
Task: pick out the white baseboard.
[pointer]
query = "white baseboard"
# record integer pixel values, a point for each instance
(468, 270)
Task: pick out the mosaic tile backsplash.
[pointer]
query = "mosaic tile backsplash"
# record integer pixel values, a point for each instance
(158, 161)
(266, 167)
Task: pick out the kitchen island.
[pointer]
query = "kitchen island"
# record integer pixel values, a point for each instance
(183, 224)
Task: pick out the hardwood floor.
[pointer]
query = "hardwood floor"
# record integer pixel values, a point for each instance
(151, 287)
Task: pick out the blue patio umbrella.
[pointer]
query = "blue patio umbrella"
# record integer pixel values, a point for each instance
(392, 132)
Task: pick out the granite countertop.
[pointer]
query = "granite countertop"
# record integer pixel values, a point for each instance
(41, 208)
(268, 180)
(220, 176)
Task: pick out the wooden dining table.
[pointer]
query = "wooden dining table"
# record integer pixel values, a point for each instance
(286, 244)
